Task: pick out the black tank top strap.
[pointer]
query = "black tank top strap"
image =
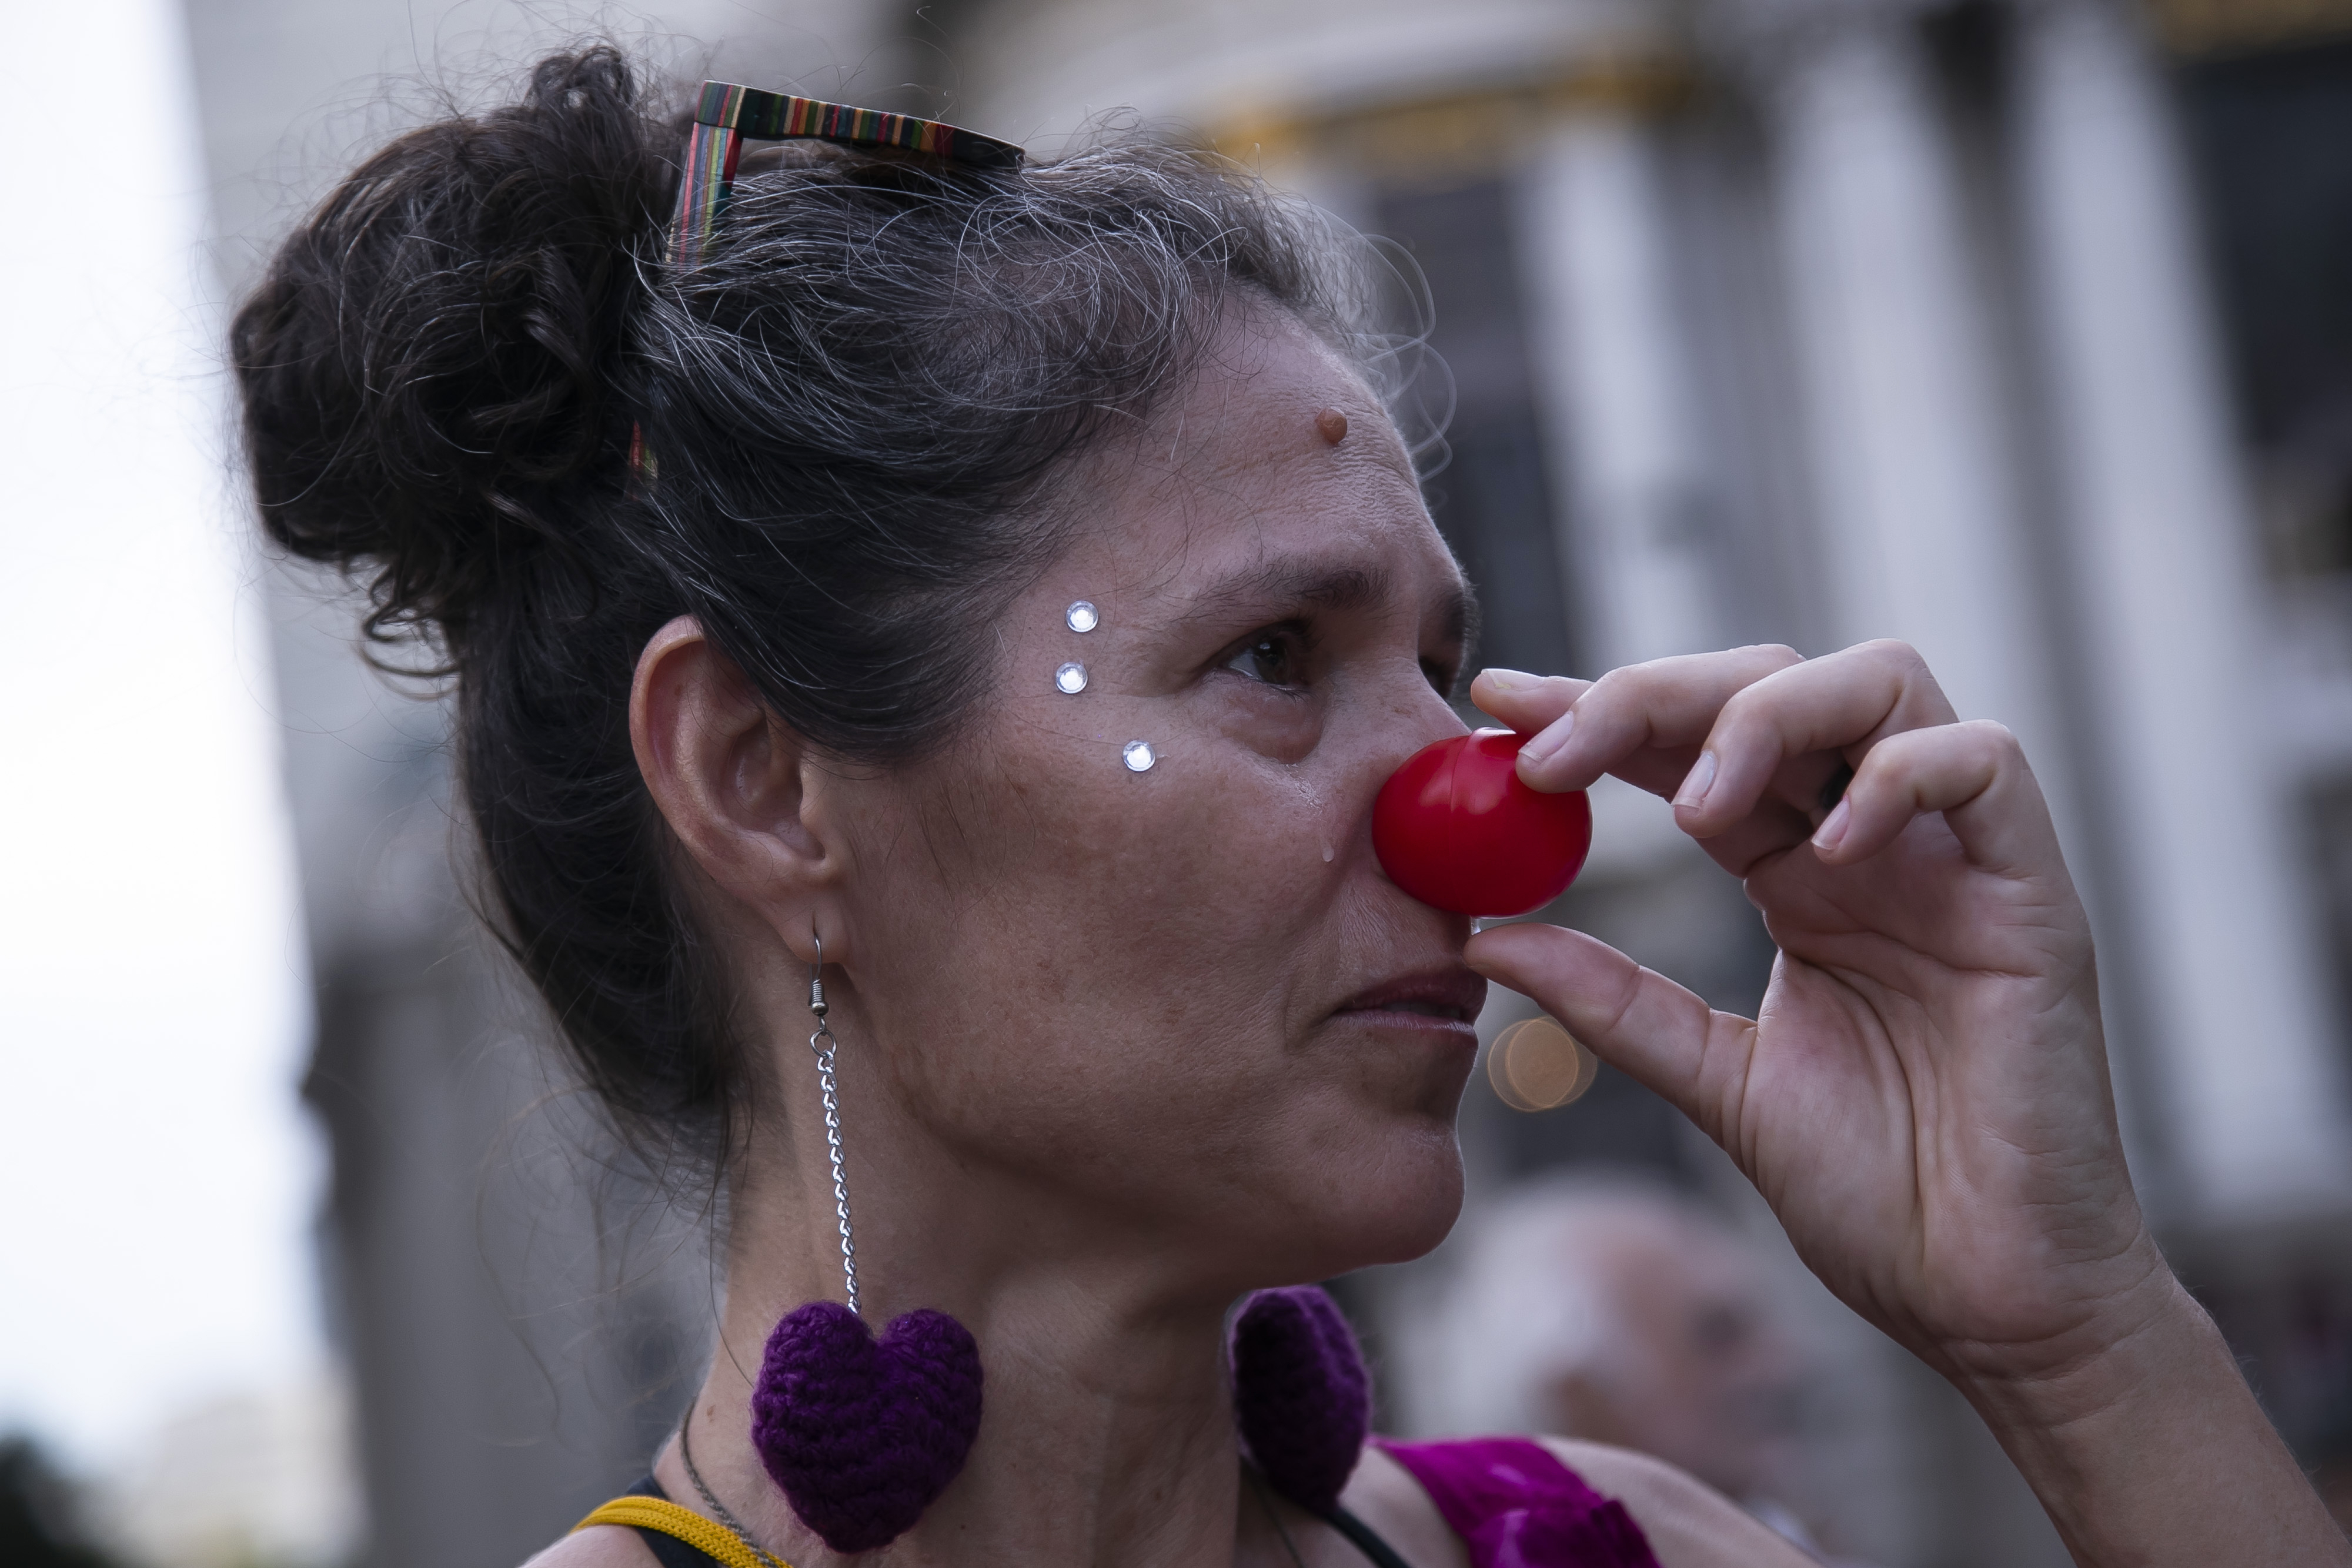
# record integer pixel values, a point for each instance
(1366, 1540)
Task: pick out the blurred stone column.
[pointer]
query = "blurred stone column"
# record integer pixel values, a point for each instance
(1914, 483)
(2175, 626)
(1612, 384)
(1916, 494)
(1621, 420)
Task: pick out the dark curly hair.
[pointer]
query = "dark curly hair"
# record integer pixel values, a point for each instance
(856, 399)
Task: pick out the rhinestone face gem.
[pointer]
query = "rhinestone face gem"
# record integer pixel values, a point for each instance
(1070, 678)
(1137, 754)
(1082, 617)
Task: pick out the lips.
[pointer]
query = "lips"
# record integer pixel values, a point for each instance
(1452, 994)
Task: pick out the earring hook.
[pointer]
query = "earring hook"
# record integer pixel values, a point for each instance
(816, 976)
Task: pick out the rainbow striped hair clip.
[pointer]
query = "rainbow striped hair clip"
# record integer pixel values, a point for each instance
(730, 115)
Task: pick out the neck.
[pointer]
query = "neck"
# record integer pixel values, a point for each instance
(1107, 1429)
(1107, 1437)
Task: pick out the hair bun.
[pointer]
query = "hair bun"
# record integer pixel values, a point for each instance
(427, 366)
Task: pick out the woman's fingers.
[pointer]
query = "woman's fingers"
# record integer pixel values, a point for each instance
(1974, 773)
(1817, 709)
(1636, 1020)
(1662, 705)
(1752, 747)
(1529, 704)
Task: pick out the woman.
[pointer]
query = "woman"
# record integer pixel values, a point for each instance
(997, 593)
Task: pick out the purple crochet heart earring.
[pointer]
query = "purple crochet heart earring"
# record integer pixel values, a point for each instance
(1301, 1396)
(861, 1434)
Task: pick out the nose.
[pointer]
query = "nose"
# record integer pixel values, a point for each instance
(1423, 717)
(1410, 717)
(1457, 829)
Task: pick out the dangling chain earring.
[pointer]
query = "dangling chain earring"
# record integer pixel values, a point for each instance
(827, 1084)
(861, 1434)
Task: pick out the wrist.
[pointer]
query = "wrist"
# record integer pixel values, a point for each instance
(2131, 1342)
(2145, 1445)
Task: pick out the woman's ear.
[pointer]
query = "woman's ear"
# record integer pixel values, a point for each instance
(734, 783)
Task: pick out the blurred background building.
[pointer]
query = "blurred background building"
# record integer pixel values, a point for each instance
(2021, 329)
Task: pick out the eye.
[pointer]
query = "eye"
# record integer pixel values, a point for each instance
(1275, 656)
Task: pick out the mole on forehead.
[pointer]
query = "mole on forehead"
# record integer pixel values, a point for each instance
(1198, 442)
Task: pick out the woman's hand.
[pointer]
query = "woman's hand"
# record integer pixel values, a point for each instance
(1924, 1097)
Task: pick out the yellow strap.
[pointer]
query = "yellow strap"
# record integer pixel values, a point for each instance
(660, 1513)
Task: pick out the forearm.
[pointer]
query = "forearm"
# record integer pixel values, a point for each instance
(2153, 1452)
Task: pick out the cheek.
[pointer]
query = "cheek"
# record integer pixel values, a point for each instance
(1118, 983)
(1213, 856)
(1281, 728)
(1088, 953)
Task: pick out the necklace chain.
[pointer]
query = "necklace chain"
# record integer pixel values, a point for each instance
(1258, 1488)
(718, 1510)
(710, 1498)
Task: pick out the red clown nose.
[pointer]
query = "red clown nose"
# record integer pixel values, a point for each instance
(1456, 829)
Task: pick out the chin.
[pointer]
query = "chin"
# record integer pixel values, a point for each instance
(1393, 1201)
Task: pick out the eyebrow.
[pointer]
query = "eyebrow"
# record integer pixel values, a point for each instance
(1339, 588)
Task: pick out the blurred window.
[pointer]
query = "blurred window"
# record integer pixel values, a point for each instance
(2331, 819)
(1491, 500)
(2267, 133)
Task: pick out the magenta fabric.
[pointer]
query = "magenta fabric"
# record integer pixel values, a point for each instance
(1517, 1506)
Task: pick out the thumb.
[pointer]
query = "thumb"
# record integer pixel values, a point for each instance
(1636, 1020)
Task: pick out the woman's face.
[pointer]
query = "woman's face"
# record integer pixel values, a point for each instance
(1180, 1012)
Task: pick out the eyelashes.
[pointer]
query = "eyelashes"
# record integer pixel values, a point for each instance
(1284, 656)
(1280, 656)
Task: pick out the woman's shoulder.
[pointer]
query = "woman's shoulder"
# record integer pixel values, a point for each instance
(1383, 1494)
(599, 1546)
(1688, 1523)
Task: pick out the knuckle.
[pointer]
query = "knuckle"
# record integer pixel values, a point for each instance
(1900, 754)
(1996, 743)
(1635, 687)
(1660, 673)
(1740, 709)
(1623, 682)
(1990, 732)
(1893, 651)
(1886, 758)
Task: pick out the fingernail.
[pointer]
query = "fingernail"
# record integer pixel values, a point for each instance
(1509, 680)
(1832, 831)
(1697, 783)
(1548, 742)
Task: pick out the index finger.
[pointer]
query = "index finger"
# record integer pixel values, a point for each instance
(1529, 704)
(1665, 704)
